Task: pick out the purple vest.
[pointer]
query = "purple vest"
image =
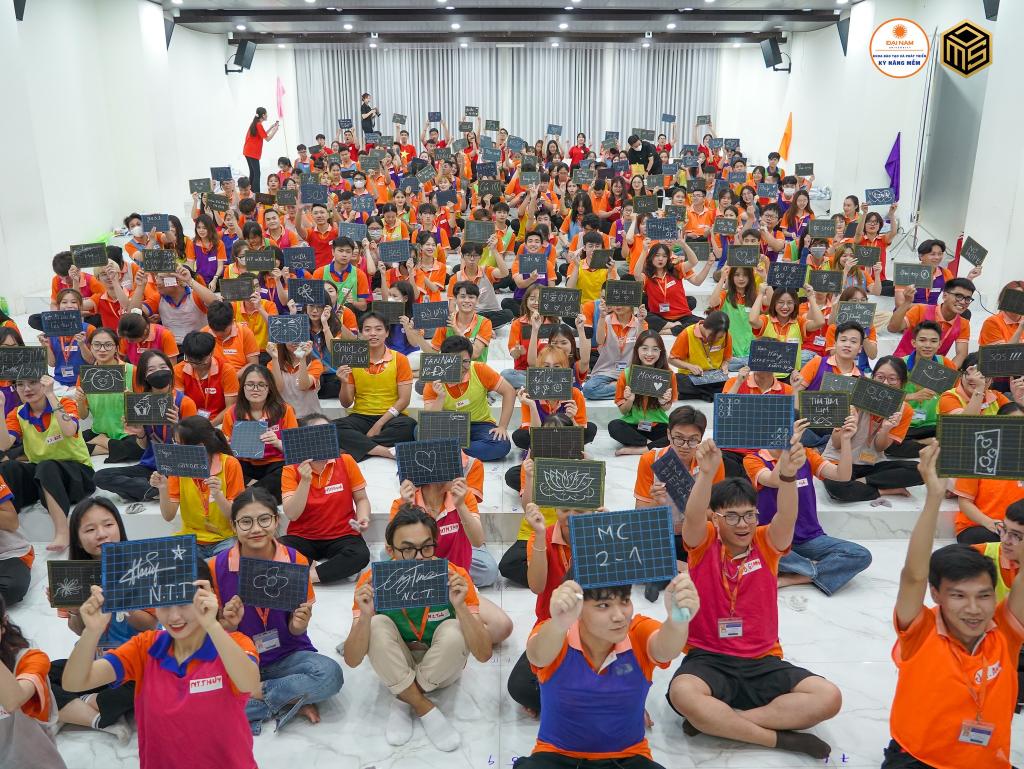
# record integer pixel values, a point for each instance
(807, 526)
(931, 296)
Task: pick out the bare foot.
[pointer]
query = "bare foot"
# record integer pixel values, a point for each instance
(623, 451)
(59, 544)
(894, 492)
(532, 713)
(785, 580)
(311, 713)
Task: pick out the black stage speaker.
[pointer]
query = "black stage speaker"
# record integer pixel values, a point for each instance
(243, 56)
(770, 51)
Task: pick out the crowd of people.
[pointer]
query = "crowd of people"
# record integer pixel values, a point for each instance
(576, 217)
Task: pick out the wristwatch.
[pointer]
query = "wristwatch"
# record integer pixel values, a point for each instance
(787, 478)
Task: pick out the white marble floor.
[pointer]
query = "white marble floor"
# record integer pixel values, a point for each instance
(847, 638)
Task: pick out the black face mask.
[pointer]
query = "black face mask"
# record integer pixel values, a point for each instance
(159, 379)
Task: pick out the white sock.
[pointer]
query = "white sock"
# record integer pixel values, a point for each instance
(439, 731)
(119, 729)
(399, 727)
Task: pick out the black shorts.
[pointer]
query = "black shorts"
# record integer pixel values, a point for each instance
(739, 682)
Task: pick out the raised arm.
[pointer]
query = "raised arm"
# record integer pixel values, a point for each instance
(914, 577)
(695, 517)
(784, 523)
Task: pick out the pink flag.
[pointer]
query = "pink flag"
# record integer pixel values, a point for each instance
(280, 98)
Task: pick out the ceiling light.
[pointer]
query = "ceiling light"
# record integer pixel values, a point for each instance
(463, 45)
(554, 45)
(280, 45)
(645, 44)
(563, 25)
(348, 27)
(670, 25)
(310, 1)
(709, 1)
(373, 45)
(687, 10)
(840, 2)
(456, 25)
(240, 27)
(449, 7)
(736, 45)
(568, 7)
(176, 2)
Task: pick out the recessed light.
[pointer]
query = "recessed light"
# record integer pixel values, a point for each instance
(568, 7)
(554, 45)
(240, 27)
(736, 45)
(176, 2)
(840, 2)
(456, 25)
(280, 45)
(563, 25)
(645, 45)
(463, 45)
(670, 25)
(373, 45)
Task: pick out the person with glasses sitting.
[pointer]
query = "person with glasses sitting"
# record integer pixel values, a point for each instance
(733, 682)
(957, 296)
(417, 651)
(107, 435)
(208, 379)
(972, 395)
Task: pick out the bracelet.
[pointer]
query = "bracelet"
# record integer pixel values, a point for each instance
(787, 478)
(393, 411)
(539, 549)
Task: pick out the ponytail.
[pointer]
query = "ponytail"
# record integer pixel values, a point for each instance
(256, 119)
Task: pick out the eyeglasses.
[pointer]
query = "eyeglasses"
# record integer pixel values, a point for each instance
(408, 553)
(103, 345)
(733, 519)
(960, 298)
(193, 362)
(256, 386)
(264, 521)
(1008, 534)
(678, 440)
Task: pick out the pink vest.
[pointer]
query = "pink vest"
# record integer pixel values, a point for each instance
(904, 348)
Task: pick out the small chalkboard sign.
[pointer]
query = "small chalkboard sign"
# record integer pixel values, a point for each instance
(1001, 360)
(465, 126)
(838, 383)
(716, 143)
(71, 582)
(861, 312)
(300, 258)
(478, 232)
(101, 379)
(601, 258)
(392, 311)
(364, 204)
(181, 460)
(696, 185)
(88, 255)
(313, 442)
(737, 177)
(973, 251)
(557, 442)
(790, 275)
(703, 119)
(531, 263)
(879, 196)
(709, 376)
(725, 225)
(313, 194)
(220, 173)
(767, 190)
(200, 185)
(743, 256)
(803, 169)
(1011, 300)
(145, 573)
(61, 322)
(430, 316)
(825, 281)
(981, 446)
(446, 197)
(773, 355)
(443, 424)
(490, 155)
(588, 175)
(22, 363)
(662, 228)
(867, 256)
(287, 197)
(354, 353)
(487, 187)
(821, 228)
(288, 329)
(237, 289)
(273, 584)
(623, 293)
(516, 143)
(911, 274)
(570, 484)
(394, 251)
(471, 112)
(670, 169)
(265, 198)
(549, 384)
(303, 291)
(753, 421)
(731, 144)
(876, 398)
(670, 470)
(701, 248)
(559, 302)
(623, 547)
(645, 204)
(444, 367)
(146, 408)
(158, 222)
(544, 332)
(647, 134)
(824, 410)
(426, 174)
(679, 212)
(262, 260)
(218, 203)
(650, 381)
(434, 461)
(159, 260)
(245, 438)
(933, 375)
(400, 585)
(433, 117)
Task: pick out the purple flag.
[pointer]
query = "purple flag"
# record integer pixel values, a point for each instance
(892, 167)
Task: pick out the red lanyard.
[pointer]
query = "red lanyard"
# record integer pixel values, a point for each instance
(65, 349)
(423, 625)
(732, 587)
(978, 697)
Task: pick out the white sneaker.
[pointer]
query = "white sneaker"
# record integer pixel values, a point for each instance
(398, 730)
(439, 731)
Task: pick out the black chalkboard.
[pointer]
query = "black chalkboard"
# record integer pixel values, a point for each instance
(300, 258)
(89, 255)
(526, 178)
(486, 169)
(392, 311)
(753, 421)
(787, 275)
(933, 375)
(1001, 360)
(679, 212)
(701, 248)
(861, 312)
(443, 424)
(159, 260)
(400, 584)
(433, 117)
(703, 119)
(181, 460)
(981, 446)
(282, 329)
(694, 185)
(144, 573)
(200, 185)
(22, 363)
(737, 177)
(146, 408)
(158, 222)
(767, 190)
(313, 193)
(433, 461)
(551, 384)
(826, 281)
(668, 117)
(465, 126)
(743, 256)
(304, 291)
(867, 256)
(601, 258)
(443, 367)
(516, 143)
(624, 547)
(71, 582)
(716, 142)
(245, 438)
(876, 398)
(773, 355)
(429, 316)
(557, 442)
(670, 470)
(911, 274)
(265, 198)
(273, 584)
(647, 134)
(364, 204)
(725, 225)
(973, 251)
(315, 442)
(530, 263)
(662, 228)
(426, 174)
(219, 203)
(101, 379)
(588, 175)
(651, 381)
(287, 197)
(623, 293)
(731, 144)
(61, 322)
(491, 187)
(570, 484)
(238, 289)
(446, 197)
(821, 228)
(220, 173)
(709, 376)
(803, 169)
(645, 204)
(490, 155)
(478, 232)
(354, 353)
(824, 410)
(262, 260)
(838, 383)
(559, 302)
(879, 196)
(1011, 300)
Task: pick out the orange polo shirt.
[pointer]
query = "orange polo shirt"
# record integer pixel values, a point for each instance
(209, 392)
(237, 346)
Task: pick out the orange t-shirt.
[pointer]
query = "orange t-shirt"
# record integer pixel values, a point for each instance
(645, 474)
(997, 329)
(916, 314)
(991, 495)
(237, 348)
(954, 401)
(694, 220)
(488, 377)
(577, 397)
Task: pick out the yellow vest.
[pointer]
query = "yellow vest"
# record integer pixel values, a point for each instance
(992, 550)
(376, 393)
(700, 353)
(52, 443)
(472, 402)
(212, 526)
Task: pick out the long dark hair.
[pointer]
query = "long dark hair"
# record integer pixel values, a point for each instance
(6, 332)
(275, 407)
(12, 640)
(261, 115)
(405, 288)
(567, 332)
(179, 239)
(646, 401)
(199, 431)
(211, 229)
(77, 552)
(649, 269)
(732, 292)
(143, 364)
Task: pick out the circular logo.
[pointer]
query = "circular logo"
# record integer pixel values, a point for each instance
(899, 48)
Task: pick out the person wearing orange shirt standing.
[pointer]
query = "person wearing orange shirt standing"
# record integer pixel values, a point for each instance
(323, 233)
(956, 689)
(253, 147)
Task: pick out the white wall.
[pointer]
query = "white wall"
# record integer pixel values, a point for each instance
(103, 119)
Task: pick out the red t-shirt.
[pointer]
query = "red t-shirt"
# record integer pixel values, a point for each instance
(254, 144)
(320, 242)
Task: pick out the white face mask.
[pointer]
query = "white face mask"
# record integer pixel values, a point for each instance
(817, 251)
(374, 234)
(137, 231)
(788, 191)
(360, 183)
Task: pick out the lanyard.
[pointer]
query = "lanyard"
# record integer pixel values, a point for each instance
(978, 697)
(423, 625)
(732, 587)
(65, 349)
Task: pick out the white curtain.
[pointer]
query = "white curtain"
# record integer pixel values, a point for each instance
(581, 89)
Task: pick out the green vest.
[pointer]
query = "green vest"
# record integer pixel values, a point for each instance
(53, 444)
(472, 337)
(107, 409)
(472, 402)
(992, 550)
(656, 415)
(350, 282)
(739, 328)
(925, 412)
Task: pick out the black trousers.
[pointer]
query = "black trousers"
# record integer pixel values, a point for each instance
(266, 476)
(521, 435)
(630, 435)
(339, 558)
(131, 483)
(911, 446)
(498, 318)
(896, 758)
(64, 480)
(523, 686)
(118, 449)
(329, 386)
(976, 535)
(513, 564)
(254, 173)
(112, 702)
(558, 761)
(353, 428)
(689, 391)
(657, 323)
(511, 305)
(15, 578)
(732, 461)
(888, 474)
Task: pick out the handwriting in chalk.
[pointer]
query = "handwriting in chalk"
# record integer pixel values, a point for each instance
(143, 568)
(271, 582)
(986, 451)
(565, 482)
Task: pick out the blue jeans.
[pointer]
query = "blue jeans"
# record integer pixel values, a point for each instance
(207, 552)
(483, 570)
(736, 362)
(514, 377)
(812, 439)
(485, 447)
(600, 387)
(304, 674)
(829, 562)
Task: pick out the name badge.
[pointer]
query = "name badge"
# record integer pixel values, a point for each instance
(203, 413)
(919, 415)
(334, 488)
(644, 426)
(462, 404)
(230, 350)
(622, 365)
(266, 641)
(819, 341)
(976, 733)
(670, 283)
(210, 390)
(67, 372)
(211, 684)
(438, 616)
(867, 457)
(54, 438)
(168, 282)
(801, 483)
(730, 627)
(664, 307)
